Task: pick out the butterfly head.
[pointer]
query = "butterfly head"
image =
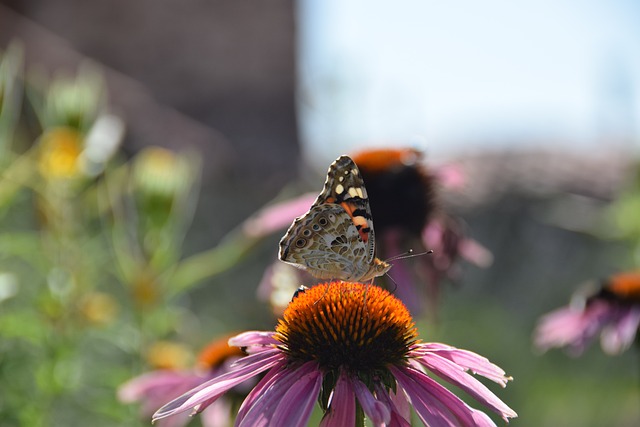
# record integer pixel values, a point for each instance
(378, 268)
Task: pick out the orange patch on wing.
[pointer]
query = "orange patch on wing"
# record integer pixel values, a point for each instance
(359, 221)
(625, 285)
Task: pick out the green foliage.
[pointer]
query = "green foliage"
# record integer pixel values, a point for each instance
(91, 264)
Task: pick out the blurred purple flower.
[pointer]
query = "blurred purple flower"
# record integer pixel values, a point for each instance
(613, 313)
(407, 215)
(402, 195)
(374, 365)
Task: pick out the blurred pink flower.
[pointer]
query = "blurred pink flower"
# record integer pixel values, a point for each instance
(155, 388)
(613, 313)
(374, 365)
(277, 216)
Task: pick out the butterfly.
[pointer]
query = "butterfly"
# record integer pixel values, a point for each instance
(335, 238)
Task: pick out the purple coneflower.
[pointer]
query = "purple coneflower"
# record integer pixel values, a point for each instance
(155, 388)
(354, 349)
(403, 194)
(406, 215)
(613, 313)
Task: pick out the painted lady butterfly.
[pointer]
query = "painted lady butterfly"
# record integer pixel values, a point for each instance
(335, 239)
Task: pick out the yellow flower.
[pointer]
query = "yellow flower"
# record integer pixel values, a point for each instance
(98, 308)
(168, 355)
(161, 172)
(145, 290)
(59, 152)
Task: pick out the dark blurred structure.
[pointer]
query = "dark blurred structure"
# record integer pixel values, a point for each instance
(217, 75)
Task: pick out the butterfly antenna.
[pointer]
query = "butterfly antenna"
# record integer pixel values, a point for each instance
(409, 254)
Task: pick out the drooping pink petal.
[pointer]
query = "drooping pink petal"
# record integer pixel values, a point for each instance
(482, 419)
(258, 391)
(298, 400)
(261, 339)
(467, 359)
(399, 399)
(273, 374)
(377, 411)
(278, 216)
(474, 252)
(621, 332)
(286, 401)
(154, 389)
(432, 411)
(433, 238)
(139, 387)
(342, 408)
(398, 404)
(261, 400)
(457, 375)
(251, 365)
(435, 405)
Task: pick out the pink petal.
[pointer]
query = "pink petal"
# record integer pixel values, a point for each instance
(179, 420)
(467, 359)
(154, 389)
(619, 335)
(570, 326)
(401, 272)
(450, 176)
(399, 405)
(259, 390)
(139, 387)
(298, 401)
(217, 414)
(278, 216)
(207, 393)
(474, 252)
(287, 401)
(435, 405)
(456, 375)
(377, 411)
(252, 339)
(342, 408)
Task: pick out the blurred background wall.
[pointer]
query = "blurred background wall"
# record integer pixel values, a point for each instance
(218, 76)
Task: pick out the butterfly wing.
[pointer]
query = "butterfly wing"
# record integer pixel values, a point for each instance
(326, 243)
(344, 186)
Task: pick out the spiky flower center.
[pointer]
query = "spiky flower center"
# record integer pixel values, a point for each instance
(351, 326)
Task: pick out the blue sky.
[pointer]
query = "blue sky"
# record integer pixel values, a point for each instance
(455, 75)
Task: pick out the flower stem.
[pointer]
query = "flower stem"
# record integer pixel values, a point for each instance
(359, 415)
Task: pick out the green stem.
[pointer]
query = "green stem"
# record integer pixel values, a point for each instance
(19, 173)
(359, 415)
(212, 262)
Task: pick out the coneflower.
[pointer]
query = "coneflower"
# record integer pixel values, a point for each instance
(353, 348)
